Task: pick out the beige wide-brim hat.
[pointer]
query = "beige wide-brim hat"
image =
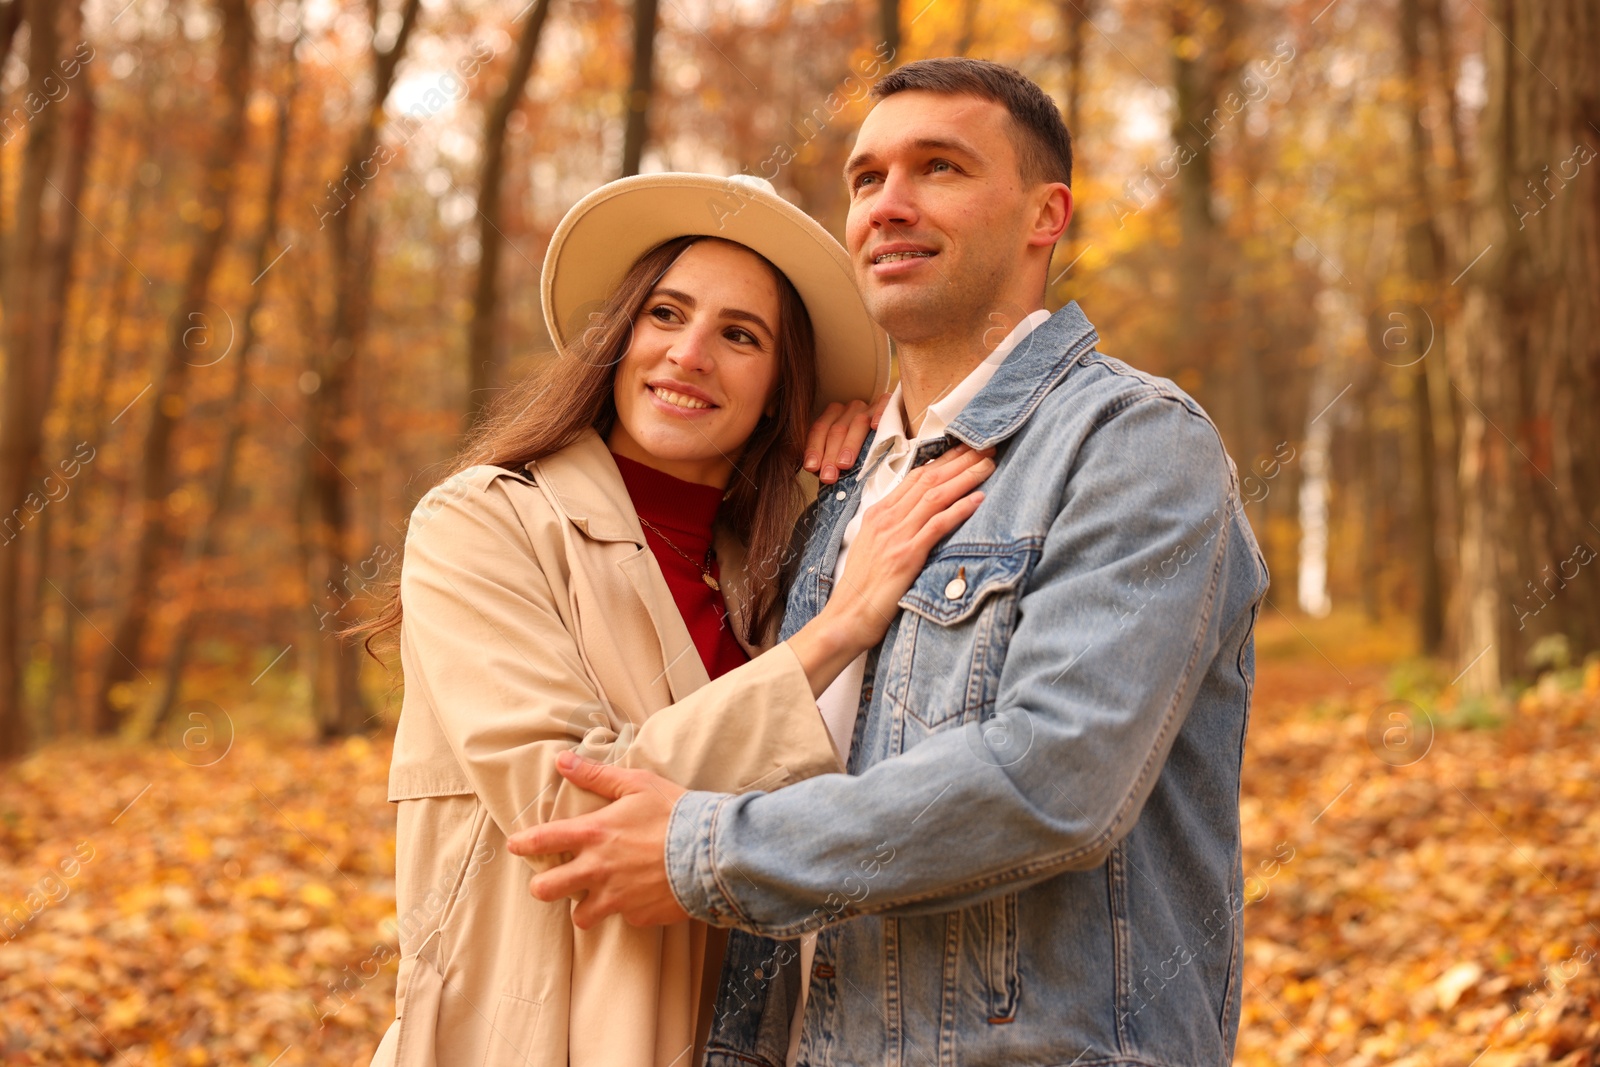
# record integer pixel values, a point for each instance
(605, 232)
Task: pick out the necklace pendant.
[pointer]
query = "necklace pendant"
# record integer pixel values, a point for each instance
(705, 576)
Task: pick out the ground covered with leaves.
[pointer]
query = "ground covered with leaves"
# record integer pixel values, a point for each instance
(1423, 879)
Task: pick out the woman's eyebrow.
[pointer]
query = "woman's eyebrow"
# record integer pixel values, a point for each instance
(747, 316)
(676, 294)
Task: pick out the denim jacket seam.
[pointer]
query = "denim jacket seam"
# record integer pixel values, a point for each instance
(714, 869)
(695, 872)
(1022, 411)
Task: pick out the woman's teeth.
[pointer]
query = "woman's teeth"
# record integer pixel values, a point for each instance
(895, 257)
(678, 400)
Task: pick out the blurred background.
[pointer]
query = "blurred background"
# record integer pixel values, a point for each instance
(263, 261)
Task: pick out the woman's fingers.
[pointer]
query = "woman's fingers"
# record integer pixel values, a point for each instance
(946, 490)
(955, 464)
(834, 442)
(818, 437)
(879, 406)
(837, 451)
(942, 524)
(851, 433)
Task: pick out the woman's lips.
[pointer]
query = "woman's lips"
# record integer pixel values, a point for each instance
(676, 402)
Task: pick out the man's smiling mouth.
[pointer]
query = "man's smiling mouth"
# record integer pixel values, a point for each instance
(895, 257)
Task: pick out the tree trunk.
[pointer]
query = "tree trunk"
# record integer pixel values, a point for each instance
(1202, 62)
(340, 708)
(889, 29)
(28, 377)
(79, 117)
(482, 356)
(189, 324)
(1530, 449)
(203, 536)
(1423, 252)
(636, 129)
(1074, 16)
(969, 27)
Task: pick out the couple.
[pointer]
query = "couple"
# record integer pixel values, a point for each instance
(944, 769)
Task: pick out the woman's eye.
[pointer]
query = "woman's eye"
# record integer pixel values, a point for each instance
(743, 337)
(662, 313)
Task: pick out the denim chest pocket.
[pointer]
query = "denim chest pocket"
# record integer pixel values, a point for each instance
(952, 638)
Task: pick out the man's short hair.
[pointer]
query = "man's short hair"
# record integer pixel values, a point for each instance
(1044, 146)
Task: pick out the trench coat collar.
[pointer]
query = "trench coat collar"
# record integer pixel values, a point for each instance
(585, 481)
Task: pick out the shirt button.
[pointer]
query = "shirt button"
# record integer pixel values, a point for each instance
(956, 588)
(840, 495)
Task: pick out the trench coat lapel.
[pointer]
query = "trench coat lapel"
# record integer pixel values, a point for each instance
(589, 489)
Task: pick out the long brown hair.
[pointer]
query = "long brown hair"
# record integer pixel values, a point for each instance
(549, 409)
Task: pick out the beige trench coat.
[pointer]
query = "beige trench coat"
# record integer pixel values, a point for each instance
(536, 621)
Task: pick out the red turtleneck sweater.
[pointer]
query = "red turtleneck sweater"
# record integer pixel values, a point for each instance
(685, 511)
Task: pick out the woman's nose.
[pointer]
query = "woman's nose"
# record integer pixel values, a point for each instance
(691, 350)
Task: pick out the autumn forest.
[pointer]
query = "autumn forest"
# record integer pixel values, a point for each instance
(262, 263)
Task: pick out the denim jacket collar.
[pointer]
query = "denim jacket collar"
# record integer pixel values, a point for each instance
(1033, 368)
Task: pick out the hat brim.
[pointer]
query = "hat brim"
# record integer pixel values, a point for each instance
(607, 231)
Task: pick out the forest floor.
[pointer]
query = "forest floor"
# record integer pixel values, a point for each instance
(1422, 888)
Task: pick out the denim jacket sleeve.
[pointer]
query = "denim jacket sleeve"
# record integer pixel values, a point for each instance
(1115, 626)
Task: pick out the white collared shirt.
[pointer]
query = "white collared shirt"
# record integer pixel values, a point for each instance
(841, 702)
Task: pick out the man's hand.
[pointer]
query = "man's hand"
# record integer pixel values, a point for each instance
(619, 852)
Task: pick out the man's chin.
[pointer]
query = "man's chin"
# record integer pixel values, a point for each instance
(908, 314)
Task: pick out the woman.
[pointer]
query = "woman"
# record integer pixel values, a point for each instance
(613, 540)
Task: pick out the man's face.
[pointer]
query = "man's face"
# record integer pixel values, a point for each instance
(939, 216)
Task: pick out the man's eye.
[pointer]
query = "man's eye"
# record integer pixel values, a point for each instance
(863, 179)
(942, 164)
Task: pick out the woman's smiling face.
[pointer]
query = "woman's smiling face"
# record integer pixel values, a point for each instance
(702, 364)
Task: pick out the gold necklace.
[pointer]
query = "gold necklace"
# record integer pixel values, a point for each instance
(705, 565)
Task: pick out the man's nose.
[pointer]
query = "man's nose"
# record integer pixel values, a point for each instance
(895, 204)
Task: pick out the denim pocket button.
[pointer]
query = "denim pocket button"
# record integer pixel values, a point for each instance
(840, 495)
(956, 589)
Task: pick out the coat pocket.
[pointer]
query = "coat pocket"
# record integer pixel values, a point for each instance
(514, 1035)
(955, 631)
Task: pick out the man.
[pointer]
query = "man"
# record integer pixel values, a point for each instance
(1034, 856)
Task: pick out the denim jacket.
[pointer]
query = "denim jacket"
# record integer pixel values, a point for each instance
(1033, 856)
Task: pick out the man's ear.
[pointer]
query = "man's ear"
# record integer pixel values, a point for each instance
(1053, 212)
